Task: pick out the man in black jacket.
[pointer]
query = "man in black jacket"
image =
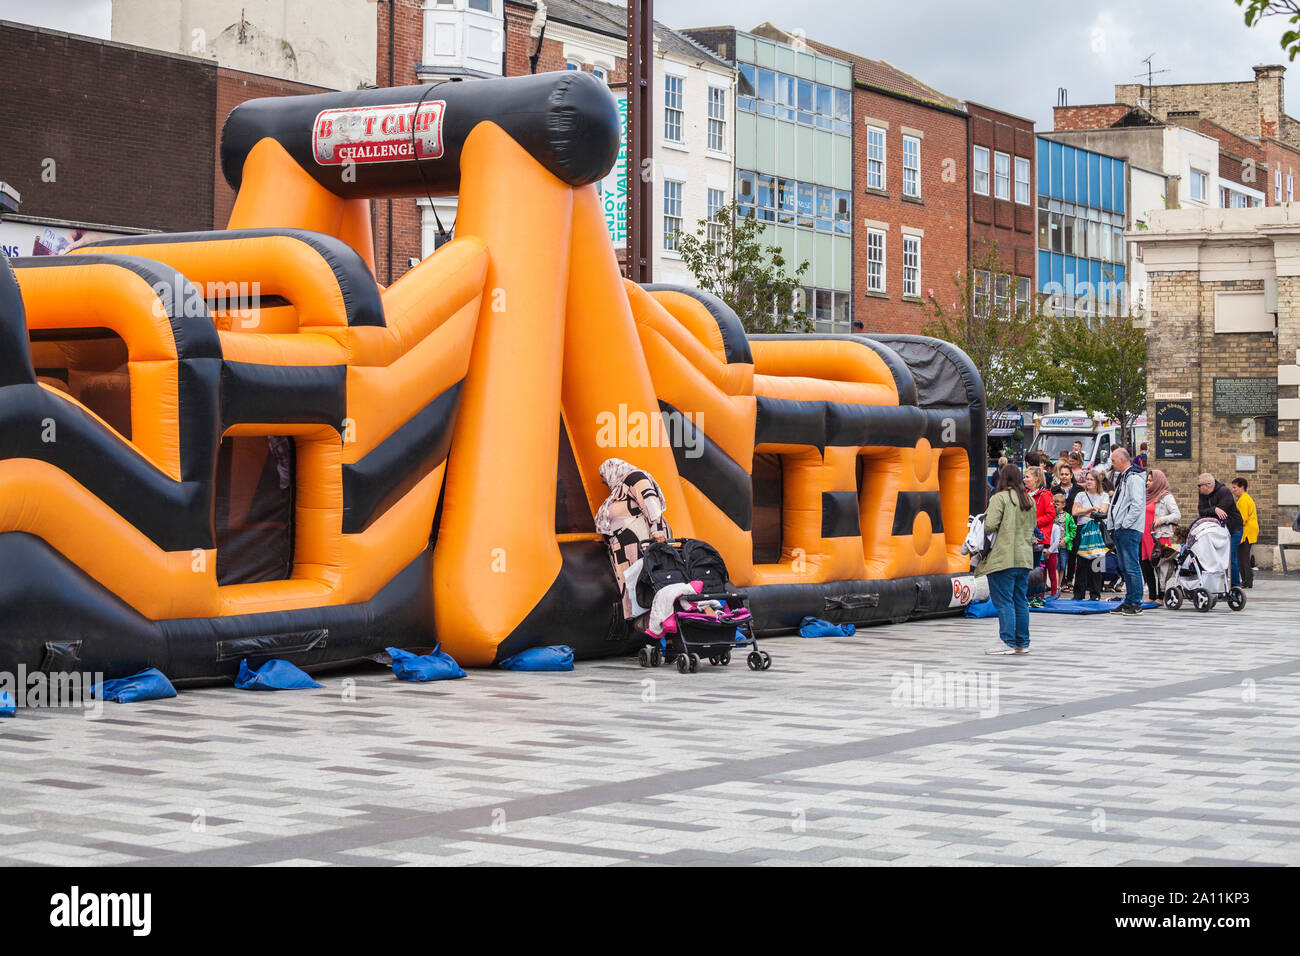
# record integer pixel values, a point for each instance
(1217, 501)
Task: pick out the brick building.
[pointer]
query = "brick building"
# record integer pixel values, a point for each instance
(1252, 109)
(1003, 172)
(104, 136)
(1222, 337)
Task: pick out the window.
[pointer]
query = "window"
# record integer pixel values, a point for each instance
(599, 73)
(785, 201)
(980, 182)
(825, 209)
(1199, 185)
(1225, 201)
(717, 119)
(484, 6)
(875, 260)
(572, 65)
(1044, 228)
(1002, 295)
(875, 157)
(806, 205)
(843, 212)
(1001, 176)
(1277, 185)
(1290, 187)
(745, 189)
(1023, 287)
(1022, 181)
(912, 267)
(980, 296)
(766, 201)
(672, 213)
(1118, 253)
(912, 166)
(673, 108)
(717, 198)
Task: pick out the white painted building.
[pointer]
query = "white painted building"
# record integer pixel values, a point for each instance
(694, 124)
(325, 44)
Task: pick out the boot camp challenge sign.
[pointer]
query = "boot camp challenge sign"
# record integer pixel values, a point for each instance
(378, 134)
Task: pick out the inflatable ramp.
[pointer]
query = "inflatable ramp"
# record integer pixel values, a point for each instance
(237, 444)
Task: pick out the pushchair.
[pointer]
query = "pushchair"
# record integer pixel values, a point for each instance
(1200, 570)
(710, 623)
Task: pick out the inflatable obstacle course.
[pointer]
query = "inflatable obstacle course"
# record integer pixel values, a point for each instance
(193, 475)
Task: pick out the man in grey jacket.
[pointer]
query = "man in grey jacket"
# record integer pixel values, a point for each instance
(1127, 520)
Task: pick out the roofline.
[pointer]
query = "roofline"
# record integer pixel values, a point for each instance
(994, 109)
(116, 44)
(906, 97)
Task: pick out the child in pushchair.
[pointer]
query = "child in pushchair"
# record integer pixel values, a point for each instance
(1199, 571)
(694, 612)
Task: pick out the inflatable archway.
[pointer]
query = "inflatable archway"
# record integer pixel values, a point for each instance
(191, 475)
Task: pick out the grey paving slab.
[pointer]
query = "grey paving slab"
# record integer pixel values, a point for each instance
(1171, 740)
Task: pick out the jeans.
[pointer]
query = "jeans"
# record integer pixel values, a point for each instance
(1236, 545)
(1009, 590)
(1128, 549)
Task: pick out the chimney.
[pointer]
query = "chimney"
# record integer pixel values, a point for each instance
(1268, 94)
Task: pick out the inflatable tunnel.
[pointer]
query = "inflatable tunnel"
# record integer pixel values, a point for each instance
(239, 445)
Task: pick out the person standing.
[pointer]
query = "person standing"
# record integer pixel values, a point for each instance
(1249, 530)
(1011, 516)
(1089, 509)
(1162, 515)
(1217, 501)
(1141, 459)
(1127, 520)
(1066, 485)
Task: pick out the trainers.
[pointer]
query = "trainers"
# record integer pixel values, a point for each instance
(1022, 650)
(1002, 650)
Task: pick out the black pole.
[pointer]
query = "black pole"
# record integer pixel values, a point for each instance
(640, 69)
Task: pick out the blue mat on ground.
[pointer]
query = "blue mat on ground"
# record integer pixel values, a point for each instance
(816, 627)
(983, 608)
(7, 706)
(273, 675)
(435, 665)
(556, 658)
(150, 684)
(1068, 606)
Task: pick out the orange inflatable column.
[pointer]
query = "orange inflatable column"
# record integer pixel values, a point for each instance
(496, 554)
(608, 411)
(275, 193)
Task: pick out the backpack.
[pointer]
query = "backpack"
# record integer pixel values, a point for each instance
(680, 562)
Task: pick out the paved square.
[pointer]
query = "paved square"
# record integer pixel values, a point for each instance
(1171, 738)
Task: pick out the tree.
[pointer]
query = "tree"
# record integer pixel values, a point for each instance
(1003, 338)
(1256, 10)
(1103, 362)
(727, 257)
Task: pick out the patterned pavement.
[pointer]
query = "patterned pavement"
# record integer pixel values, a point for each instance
(1172, 738)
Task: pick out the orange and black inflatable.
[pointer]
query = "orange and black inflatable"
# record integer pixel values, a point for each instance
(237, 444)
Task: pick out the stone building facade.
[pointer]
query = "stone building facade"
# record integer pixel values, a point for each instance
(1224, 304)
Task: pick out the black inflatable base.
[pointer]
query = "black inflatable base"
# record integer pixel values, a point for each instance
(56, 618)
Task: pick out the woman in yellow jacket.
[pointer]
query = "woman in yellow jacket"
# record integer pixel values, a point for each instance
(1249, 530)
(1011, 515)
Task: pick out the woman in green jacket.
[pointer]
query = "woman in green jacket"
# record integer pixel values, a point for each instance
(1011, 514)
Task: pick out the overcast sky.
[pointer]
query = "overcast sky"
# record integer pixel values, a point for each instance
(1012, 54)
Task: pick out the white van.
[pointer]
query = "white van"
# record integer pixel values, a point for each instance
(1056, 435)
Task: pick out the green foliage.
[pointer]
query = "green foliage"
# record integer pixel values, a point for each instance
(1256, 10)
(1005, 341)
(727, 257)
(1103, 362)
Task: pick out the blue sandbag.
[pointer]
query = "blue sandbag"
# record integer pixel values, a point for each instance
(151, 684)
(556, 658)
(983, 608)
(816, 627)
(432, 666)
(7, 706)
(273, 675)
(1068, 606)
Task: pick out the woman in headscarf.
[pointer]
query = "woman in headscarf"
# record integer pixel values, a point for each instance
(1162, 516)
(631, 515)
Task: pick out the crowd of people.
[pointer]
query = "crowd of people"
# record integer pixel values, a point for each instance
(1090, 529)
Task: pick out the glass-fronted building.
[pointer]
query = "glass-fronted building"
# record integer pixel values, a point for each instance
(1081, 215)
(794, 165)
